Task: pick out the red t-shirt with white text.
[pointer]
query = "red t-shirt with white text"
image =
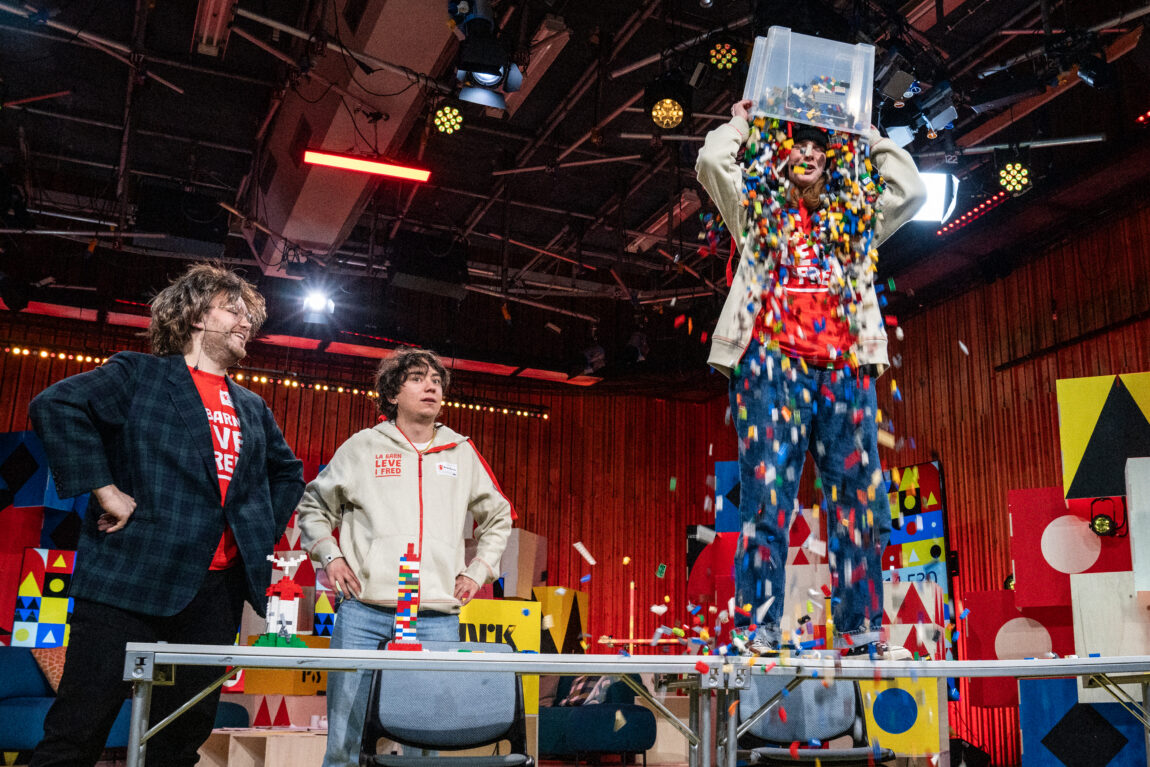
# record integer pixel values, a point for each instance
(226, 442)
(810, 328)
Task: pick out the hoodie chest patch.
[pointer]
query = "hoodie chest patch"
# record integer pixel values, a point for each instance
(444, 469)
(388, 464)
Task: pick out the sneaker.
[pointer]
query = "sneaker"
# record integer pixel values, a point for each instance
(881, 650)
(884, 651)
(760, 648)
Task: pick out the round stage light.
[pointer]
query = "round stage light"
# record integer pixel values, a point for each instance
(1014, 177)
(448, 119)
(1102, 524)
(667, 113)
(724, 56)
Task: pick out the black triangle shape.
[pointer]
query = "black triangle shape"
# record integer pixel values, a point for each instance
(734, 495)
(1122, 432)
(573, 635)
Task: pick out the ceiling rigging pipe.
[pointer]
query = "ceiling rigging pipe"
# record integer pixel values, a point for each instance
(140, 27)
(588, 79)
(423, 80)
(272, 51)
(74, 40)
(1040, 50)
(102, 44)
(657, 57)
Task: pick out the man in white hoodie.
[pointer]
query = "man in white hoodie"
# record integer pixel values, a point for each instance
(406, 481)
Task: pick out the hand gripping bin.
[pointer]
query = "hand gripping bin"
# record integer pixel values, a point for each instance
(810, 80)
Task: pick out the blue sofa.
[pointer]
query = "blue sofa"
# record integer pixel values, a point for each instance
(25, 698)
(589, 731)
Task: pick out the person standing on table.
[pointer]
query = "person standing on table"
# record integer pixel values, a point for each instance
(802, 340)
(192, 484)
(407, 480)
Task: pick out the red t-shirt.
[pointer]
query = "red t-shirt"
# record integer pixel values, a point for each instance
(226, 442)
(810, 326)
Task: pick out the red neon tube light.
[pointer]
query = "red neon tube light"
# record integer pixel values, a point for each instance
(362, 165)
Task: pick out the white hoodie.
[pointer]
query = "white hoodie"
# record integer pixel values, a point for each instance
(720, 174)
(382, 494)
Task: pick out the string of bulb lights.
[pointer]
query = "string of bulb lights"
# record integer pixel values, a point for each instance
(292, 381)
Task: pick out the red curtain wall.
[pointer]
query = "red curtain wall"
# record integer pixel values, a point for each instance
(600, 469)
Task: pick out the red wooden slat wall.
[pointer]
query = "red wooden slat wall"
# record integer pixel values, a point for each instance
(599, 469)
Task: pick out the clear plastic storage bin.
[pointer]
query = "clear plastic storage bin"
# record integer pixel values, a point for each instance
(811, 80)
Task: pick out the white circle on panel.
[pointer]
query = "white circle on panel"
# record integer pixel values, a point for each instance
(1022, 638)
(1069, 545)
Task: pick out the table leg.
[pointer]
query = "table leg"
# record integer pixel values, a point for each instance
(1146, 711)
(693, 719)
(706, 748)
(732, 730)
(138, 724)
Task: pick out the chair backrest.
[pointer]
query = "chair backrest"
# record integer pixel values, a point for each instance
(446, 709)
(813, 710)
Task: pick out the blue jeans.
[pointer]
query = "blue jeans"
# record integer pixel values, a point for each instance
(360, 626)
(831, 413)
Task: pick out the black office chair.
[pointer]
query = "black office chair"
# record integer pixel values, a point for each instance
(445, 711)
(814, 712)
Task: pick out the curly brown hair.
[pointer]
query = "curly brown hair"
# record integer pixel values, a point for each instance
(394, 370)
(179, 307)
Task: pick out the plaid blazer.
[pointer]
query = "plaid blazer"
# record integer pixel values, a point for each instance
(137, 421)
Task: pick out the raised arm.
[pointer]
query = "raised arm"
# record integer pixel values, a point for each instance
(905, 192)
(719, 172)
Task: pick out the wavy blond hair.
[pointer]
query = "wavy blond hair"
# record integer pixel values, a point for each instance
(179, 307)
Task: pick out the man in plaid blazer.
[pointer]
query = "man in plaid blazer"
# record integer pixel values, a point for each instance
(192, 484)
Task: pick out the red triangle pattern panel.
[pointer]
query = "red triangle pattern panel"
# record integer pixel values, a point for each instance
(263, 716)
(282, 718)
(800, 531)
(912, 609)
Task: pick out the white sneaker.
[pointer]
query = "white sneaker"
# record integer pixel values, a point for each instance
(760, 648)
(884, 651)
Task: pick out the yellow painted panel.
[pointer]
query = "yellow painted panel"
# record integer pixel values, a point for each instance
(1080, 402)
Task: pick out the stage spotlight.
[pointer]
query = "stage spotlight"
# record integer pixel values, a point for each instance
(941, 195)
(484, 67)
(1102, 525)
(1095, 71)
(724, 55)
(448, 119)
(1109, 523)
(317, 307)
(1014, 177)
(668, 100)
(1144, 118)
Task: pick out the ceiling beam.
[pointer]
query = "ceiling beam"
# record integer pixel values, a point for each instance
(586, 80)
(1114, 51)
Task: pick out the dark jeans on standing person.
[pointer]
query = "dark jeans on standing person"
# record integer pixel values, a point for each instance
(92, 688)
(779, 414)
